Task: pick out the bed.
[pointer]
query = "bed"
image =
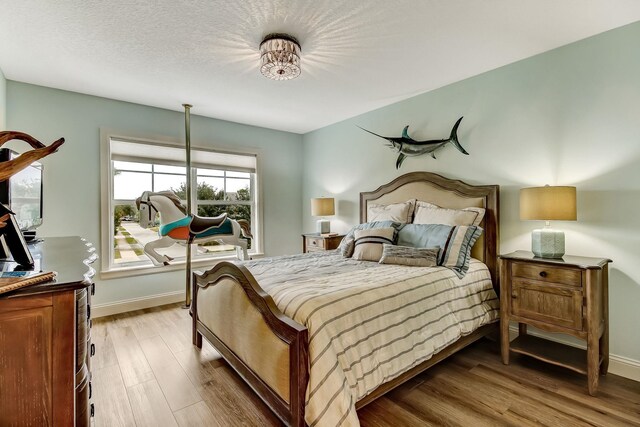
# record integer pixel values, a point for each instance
(298, 335)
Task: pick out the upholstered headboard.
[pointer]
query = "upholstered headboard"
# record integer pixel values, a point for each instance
(448, 193)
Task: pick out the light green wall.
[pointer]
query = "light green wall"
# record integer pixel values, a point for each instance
(72, 175)
(3, 101)
(570, 116)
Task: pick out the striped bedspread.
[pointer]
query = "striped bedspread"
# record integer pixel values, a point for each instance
(368, 322)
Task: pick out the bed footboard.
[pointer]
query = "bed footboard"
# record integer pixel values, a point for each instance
(268, 349)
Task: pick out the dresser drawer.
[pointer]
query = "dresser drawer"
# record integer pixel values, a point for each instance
(559, 306)
(315, 243)
(547, 273)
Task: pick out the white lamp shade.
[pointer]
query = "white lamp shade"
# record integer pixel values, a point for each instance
(322, 206)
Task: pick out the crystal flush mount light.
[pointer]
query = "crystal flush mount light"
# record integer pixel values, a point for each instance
(280, 57)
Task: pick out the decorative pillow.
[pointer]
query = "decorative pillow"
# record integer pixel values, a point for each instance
(455, 242)
(400, 212)
(368, 243)
(428, 213)
(346, 245)
(406, 255)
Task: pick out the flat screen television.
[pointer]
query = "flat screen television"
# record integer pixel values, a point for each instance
(22, 193)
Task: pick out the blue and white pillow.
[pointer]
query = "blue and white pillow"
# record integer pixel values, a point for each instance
(455, 242)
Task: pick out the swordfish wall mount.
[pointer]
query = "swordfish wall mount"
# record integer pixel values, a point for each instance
(407, 146)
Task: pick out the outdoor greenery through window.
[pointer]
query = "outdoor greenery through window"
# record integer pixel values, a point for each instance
(215, 190)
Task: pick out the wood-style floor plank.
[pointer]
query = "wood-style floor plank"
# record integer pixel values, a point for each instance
(174, 382)
(105, 354)
(114, 409)
(149, 406)
(170, 382)
(132, 361)
(197, 415)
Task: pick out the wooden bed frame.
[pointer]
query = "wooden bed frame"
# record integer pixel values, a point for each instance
(270, 350)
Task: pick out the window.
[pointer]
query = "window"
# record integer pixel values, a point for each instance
(221, 182)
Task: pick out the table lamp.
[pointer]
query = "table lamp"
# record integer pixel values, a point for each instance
(323, 206)
(548, 204)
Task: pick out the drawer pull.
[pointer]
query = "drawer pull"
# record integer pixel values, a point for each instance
(90, 390)
(93, 289)
(93, 410)
(514, 296)
(93, 350)
(543, 274)
(88, 311)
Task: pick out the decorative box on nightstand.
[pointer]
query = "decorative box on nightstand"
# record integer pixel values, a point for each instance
(567, 295)
(314, 242)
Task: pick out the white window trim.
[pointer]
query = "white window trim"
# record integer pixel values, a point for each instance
(106, 206)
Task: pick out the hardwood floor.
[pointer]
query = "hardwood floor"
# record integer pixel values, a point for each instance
(147, 373)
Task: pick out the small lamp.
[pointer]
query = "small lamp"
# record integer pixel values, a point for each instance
(548, 204)
(323, 206)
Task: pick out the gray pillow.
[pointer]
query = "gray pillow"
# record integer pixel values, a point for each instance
(455, 242)
(405, 255)
(346, 245)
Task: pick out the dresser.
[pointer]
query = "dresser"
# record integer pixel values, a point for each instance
(45, 339)
(567, 295)
(314, 242)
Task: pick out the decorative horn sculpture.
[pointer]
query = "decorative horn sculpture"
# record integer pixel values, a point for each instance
(9, 229)
(39, 151)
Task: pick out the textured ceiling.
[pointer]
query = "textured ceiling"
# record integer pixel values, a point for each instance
(357, 55)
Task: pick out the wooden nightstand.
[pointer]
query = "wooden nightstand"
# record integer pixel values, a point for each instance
(567, 295)
(314, 242)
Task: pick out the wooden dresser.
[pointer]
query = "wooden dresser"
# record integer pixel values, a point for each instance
(45, 340)
(567, 295)
(314, 242)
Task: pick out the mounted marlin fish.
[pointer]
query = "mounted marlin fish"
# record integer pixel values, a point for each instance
(407, 146)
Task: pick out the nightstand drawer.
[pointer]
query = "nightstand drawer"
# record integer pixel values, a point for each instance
(547, 273)
(554, 305)
(315, 243)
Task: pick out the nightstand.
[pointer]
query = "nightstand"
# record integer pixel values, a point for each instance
(315, 242)
(567, 295)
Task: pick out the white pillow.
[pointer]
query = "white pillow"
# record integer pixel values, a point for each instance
(428, 213)
(399, 212)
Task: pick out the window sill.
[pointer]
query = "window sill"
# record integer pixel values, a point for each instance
(119, 272)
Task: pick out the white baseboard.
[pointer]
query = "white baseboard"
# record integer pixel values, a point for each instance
(618, 365)
(101, 310)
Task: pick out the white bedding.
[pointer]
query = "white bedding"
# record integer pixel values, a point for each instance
(369, 322)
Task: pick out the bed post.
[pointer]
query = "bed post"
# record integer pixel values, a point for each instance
(196, 335)
(299, 368)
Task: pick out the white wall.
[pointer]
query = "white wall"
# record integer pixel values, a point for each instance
(3, 101)
(72, 175)
(570, 116)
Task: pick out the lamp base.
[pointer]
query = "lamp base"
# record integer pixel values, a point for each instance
(323, 226)
(547, 243)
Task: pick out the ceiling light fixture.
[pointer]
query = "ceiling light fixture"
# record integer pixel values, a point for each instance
(280, 57)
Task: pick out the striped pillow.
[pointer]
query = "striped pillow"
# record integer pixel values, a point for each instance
(405, 255)
(455, 242)
(346, 245)
(456, 251)
(368, 243)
